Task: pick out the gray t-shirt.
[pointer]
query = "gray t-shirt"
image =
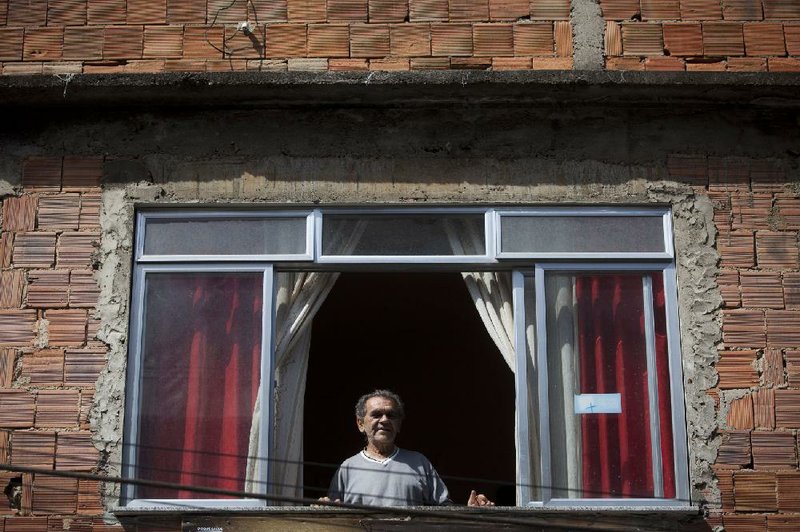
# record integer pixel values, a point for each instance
(406, 479)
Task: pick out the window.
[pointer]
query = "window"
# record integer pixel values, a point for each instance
(221, 326)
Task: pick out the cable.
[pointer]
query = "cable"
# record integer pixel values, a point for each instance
(479, 515)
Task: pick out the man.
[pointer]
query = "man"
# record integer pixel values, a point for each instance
(382, 474)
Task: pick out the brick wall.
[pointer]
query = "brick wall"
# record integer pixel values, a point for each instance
(698, 35)
(49, 357)
(757, 215)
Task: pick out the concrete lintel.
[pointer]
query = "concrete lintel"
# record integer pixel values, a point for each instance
(391, 89)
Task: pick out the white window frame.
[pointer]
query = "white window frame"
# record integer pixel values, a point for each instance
(519, 264)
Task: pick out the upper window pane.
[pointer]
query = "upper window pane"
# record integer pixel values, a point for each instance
(535, 234)
(226, 236)
(403, 234)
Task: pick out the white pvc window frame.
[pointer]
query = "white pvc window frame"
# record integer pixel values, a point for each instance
(134, 383)
(523, 386)
(520, 264)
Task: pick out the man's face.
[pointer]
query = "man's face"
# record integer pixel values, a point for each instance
(381, 423)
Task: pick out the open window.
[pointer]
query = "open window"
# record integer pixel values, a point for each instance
(228, 332)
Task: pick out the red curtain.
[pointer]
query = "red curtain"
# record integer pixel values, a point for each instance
(201, 370)
(616, 448)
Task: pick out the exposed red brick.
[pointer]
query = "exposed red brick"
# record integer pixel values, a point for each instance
(203, 41)
(83, 43)
(767, 175)
(59, 212)
(751, 211)
(747, 64)
(552, 63)
(762, 289)
(43, 44)
(430, 63)
(791, 35)
(16, 409)
(347, 10)
(149, 11)
(787, 408)
(107, 11)
(303, 64)
(306, 10)
(736, 249)
(369, 40)
(19, 213)
(82, 173)
(48, 288)
(163, 41)
(226, 12)
(772, 367)
(689, 168)
(389, 10)
(511, 63)
(742, 10)
(44, 368)
(5, 447)
(470, 63)
(451, 39)
(793, 367)
(335, 65)
(83, 366)
(783, 328)
(534, 39)
(469, 10)
(728, 281)
(743, 522)
(33, 449)
(12, 283)
(660, 9)
(755, 491)
(89, 500)
(740, 413)
(493, 40)
(664, 64)
(86, 401)
(728, 173)
(781, 9)
(66, 327)
(782, 522)
(7, 359)
(286, 40)
(619, 9)
(11, 44)
(563, 35)
(66, 12)
(21, 69)
(75, 452)
(410, 40)
(783, 64)
(734, 449)
(6, 249)
(123, 42)
(328, 40)
(764, 408)
(550, 9)
(389, 64)
(701, 9)
(509, 9)
(57, 408)
(612, 40)
(693, 65)
(83, 289)
(789, 491)
(428, 10)
(743, 328)
(723, 38)
(89, 217)
(27, 12)
(791, 290)
(239, 45)
(787, 213)
(75, 249)
(54, 495)
(725, 485)
(190, 11)
(777, 250)
(17, 327)
(762, 38)
(683, 39)
(773, 450)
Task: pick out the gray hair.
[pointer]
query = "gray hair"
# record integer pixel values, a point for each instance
(361, 405)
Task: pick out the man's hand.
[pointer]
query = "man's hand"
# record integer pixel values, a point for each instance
(324, 499)
(478, 500)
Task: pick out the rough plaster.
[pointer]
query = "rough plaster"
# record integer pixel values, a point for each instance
(550, 155)
(588, 27)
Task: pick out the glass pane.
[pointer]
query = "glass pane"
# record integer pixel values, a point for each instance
(225, 236)
(201, 360)
(403, 234)
(600, 410)
(581, 234)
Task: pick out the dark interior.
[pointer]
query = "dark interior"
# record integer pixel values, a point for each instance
(419, 335)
